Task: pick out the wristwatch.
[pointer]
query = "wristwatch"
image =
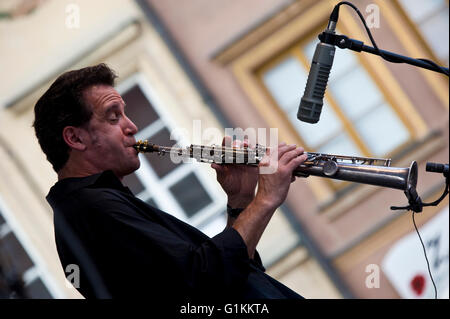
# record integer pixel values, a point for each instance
(234, 212)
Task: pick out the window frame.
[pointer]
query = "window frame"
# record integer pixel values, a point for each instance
(306, 20)
(418, 32)
(296, 51)
(39, 269)
(403, 28)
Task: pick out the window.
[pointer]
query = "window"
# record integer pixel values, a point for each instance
(431, 19)
(180, 189)
(356, 117)
(17, 266)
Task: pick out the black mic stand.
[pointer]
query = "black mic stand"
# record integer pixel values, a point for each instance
(414, 201)
(439, 168)
(344, 42)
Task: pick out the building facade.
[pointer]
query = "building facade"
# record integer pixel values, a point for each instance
(189, 69)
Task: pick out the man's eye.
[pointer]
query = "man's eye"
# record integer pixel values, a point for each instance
(114, 118)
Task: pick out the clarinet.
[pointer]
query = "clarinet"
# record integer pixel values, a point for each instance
(365, 170)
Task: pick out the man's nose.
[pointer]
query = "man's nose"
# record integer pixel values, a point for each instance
(130, 127)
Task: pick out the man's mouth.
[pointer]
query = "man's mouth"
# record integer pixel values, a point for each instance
(133, 147)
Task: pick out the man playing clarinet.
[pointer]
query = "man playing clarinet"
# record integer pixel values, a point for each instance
(126, 248)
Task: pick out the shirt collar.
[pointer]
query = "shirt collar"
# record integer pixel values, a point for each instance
(105, 179)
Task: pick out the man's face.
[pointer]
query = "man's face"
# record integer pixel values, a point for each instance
(110, 133)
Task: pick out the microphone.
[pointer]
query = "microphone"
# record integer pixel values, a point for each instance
(437, 168)
(312, 100)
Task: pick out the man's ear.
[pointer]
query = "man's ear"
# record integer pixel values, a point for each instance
(74, 137)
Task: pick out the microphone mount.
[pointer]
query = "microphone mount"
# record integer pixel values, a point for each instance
(414, 201)
(345, 42)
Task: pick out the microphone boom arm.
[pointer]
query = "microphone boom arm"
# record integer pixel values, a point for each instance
(345, 42)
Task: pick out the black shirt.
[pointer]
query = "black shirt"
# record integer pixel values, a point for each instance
(124, 247)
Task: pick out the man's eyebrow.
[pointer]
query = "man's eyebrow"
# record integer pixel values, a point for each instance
(112, 107)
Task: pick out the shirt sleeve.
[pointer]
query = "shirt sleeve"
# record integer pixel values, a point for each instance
(215, 267)
(258, 262)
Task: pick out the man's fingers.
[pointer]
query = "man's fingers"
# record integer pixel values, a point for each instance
(288, 156)
(237, 143)
(295, 162)
(273, 154)
(241, 144)
(250, 143)
(226, 141)
(265, 161)
(283, 149)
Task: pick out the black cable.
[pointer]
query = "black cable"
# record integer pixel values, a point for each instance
(436, 66)
(389, 59)
(437, 201)
(417, 205)
(426, 258)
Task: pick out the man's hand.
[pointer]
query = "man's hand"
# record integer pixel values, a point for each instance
(238, 181)
(282, 161)
(272, 191)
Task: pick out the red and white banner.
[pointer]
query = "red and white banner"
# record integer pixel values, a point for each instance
(405, 264)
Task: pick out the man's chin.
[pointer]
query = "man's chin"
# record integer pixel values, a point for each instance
(135, 167)
(128, 170)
